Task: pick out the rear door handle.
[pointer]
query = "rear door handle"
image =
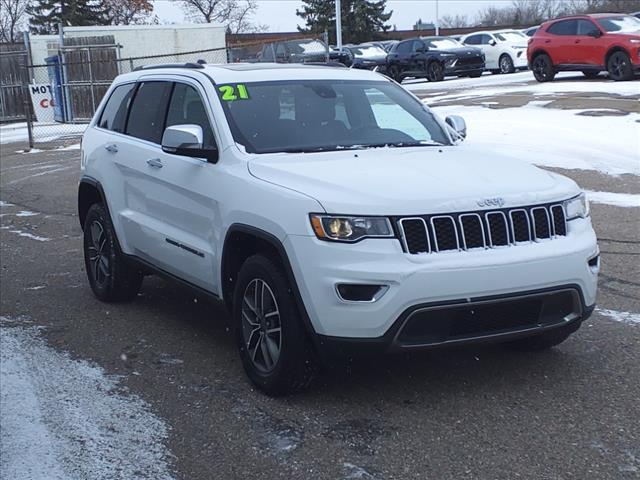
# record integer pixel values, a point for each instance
(113, 148)
(155, 163)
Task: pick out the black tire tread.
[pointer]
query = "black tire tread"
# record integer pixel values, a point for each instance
(125, 280)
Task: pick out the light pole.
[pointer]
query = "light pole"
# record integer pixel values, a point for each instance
(437, 20)
(338, 25)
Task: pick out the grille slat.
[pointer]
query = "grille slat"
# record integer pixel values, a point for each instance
(485, 229)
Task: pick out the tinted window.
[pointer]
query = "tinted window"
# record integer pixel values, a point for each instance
(485, 39)
(565, 27)
(404, 47)
(114, 114)
(417, 46)
(473, 40)
(186, 107)
(585, 27)
(146, 120)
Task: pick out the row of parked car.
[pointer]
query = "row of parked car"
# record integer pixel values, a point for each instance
(586, 43)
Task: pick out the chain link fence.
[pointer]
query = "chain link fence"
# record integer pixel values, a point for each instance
(66, 91)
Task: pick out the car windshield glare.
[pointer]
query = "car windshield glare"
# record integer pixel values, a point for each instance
(368, 52)
(510, 36)
(444, 43)
(321, 115)
(622, 23)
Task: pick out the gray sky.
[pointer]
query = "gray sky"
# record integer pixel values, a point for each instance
(280, 15)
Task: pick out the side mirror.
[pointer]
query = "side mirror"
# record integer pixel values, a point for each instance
(187, 140)
(595, 33)
(458, 125)
(492, 42)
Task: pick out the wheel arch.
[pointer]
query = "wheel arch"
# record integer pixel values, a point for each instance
(611, 51)
(538, 52)
(243, 241)
(90, 191)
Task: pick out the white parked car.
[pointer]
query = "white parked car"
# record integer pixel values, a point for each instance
(330, 210)
(505, 50)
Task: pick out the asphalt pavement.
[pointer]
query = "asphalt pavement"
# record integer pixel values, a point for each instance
(473, 413)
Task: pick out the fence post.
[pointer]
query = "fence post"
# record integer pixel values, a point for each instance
(27, 94)
(325, 36)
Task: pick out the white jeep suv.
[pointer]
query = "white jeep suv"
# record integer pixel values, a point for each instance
(331, 211)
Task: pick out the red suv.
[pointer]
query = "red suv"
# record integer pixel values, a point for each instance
(586, 43)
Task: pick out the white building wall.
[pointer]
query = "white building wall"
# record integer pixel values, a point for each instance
(145, 40)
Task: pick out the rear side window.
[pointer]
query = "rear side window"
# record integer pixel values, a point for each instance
(564, 27)
(186, 107)
(114, 115)
(146, 120)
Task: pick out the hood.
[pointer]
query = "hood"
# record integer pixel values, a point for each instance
(627, 35)
(462, 51)
(411, 181)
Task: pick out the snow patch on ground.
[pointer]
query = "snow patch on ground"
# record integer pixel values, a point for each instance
(623, 317)
(555, 138)
(42, 132)
(355, 472)
(64, 419)
(615, 199)
(26, 213)
(26, 234)
(5, 204)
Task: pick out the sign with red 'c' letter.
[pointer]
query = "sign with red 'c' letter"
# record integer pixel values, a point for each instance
(43, 101)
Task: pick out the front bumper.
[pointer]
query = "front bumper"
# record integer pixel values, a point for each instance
(460, 69)
(440, 278)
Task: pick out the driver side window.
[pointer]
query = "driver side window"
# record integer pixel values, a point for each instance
(187, 107)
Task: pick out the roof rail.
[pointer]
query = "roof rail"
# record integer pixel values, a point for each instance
(168, 65)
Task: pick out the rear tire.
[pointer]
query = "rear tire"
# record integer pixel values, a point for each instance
(394, 73)
(591, 73)
(543, 69)
(275, 351)
(111, 277)
(506, 64)
(544, 341)
(619, 67)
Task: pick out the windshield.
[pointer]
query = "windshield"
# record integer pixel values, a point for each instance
(510, 36)
(368, 52)
(317, 115)
(443, 43)
(623, 23)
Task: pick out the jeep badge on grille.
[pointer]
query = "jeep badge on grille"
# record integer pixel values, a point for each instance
(491, 202)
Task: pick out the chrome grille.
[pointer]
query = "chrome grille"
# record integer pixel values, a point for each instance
(484, 229)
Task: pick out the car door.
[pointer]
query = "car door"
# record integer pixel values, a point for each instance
(491, 50)
(560, 44)
(176, 203)
(589, 47)
(418, 57)
(401, 56)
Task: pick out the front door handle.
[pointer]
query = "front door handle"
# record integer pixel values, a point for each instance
(154, 162)
(113, 148)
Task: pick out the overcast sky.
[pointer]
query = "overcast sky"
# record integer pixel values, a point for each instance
(280, 15)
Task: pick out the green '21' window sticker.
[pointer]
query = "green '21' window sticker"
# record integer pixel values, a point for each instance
(234, 92)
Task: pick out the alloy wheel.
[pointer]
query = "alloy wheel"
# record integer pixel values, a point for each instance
(99, 254)
(261, 326)
(505, 65)
(540, 68)
(617, 65)
(434, 73)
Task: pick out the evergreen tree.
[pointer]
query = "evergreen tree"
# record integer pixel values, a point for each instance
(47, 14)
(362, 20)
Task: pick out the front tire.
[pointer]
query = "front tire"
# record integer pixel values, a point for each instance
(111, 277)
(544, 341)
(543, 69)
(394, 73)
(506, 64)
(619, 67)
(435, 72)
(275, 351)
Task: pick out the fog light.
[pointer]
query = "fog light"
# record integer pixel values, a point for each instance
(352, 292)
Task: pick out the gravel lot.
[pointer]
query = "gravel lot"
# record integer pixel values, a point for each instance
(477, 413)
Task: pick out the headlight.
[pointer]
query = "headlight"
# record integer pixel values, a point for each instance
(577, 207)
(350, 229)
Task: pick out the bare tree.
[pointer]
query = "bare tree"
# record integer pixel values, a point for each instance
(12, 19)
(129, 12)
(235, 14)
(454, 21)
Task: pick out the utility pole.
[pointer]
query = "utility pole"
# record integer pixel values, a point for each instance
(338, 25)
(437, 20)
